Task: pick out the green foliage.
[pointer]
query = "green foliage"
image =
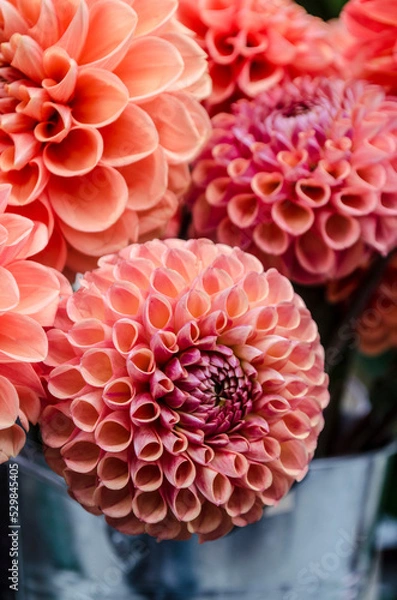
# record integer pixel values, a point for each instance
(326, 9)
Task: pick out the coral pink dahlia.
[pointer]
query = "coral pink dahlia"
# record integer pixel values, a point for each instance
(186, 391)
(29, 297)
(254, 44)
(372, 50)
(304, 176)
(99, 115)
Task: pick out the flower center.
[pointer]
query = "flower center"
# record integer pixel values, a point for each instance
(212, 392)
(295, 108)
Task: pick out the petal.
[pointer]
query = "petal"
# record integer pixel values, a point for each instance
(113, 471)
(38, 290)
(146, 181)
(23, 149)
(194, 59)
(99, 97)
(270, 238)
(22, 338)
(100, 365)
(66, 382)
(77, 154)
(149, 507)
(27, 183)
(53, 251)
(12, 21)
(294, 218)
(109, 240)
(111, 27)
(182, 123)
(9, 293)
(114, 432)
(18, 230)
(9, 403)
(74, 36)
(243, 209)
(61, 74)
(258, 75)
(81, 454)
(339, 231)
(55, 124)
(28, 57)
(150, 66)
(130, 138)
(5, 191)
(12, 441)
(45, 30)
(30, 405)
(40, 214)
(89, 203)
(152, 14)
(314, 254)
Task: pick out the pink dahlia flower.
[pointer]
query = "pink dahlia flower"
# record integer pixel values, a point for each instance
(253, 45)
(186, 391)
(304, 176)
(372, 50)
(29, 297)
(100, 115)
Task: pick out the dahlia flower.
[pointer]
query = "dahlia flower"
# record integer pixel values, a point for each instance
(253, 45)
(186, 391)
(29, 297)
(377, 327)
(372, 25)
(304, 177)
(100, 115)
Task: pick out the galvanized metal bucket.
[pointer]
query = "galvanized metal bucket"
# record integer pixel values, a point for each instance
(317, 544)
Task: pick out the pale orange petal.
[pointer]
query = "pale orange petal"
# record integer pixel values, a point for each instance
(119, 21)
(12, 441)
(150, 66)
(77, 154)
(130, 138)
(92, 202)
(22, 338)
(152, 14)
(99, 97)
(9, 403)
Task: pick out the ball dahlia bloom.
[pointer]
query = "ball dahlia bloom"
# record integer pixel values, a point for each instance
(253, 45)
(304, 176)
(186, 391)
(29, 298)
(99, 116)
(372, 25)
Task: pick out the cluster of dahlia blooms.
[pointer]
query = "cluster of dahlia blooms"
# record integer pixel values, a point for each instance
(185, 389)
(99, 117)
(253, 45)
(25, 308)
(181, 388)
(371, 52)
(303, 176)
